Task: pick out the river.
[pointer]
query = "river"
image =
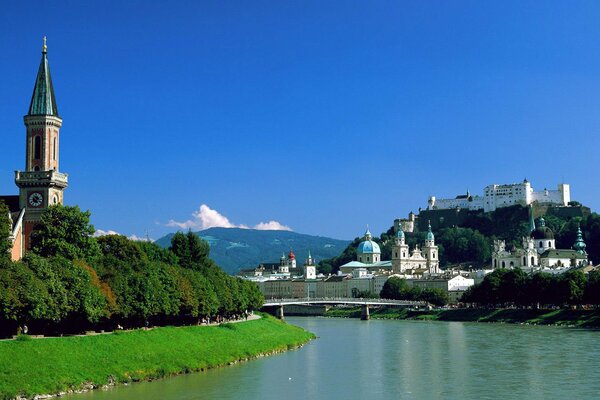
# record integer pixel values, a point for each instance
(377, 359)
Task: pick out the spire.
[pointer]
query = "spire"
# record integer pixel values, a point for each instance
(579, 245)
(368, 233)
(430, 236)
(43, 101)
(542, 222)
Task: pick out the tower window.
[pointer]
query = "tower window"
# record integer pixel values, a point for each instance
(37, 148)
(54, 152)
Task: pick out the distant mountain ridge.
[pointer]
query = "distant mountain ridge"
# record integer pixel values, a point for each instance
(235, 248)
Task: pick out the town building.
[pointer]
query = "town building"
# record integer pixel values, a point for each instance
(506, 195)
(454, 286)
(40, 183)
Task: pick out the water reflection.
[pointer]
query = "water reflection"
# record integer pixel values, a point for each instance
(355, 359)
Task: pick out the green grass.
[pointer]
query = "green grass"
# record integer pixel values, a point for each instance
(52, 365)
(581, 318)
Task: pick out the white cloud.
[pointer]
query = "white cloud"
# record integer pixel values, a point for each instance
(140, 239)
(205, 217)
(272, 226)
(100, 232)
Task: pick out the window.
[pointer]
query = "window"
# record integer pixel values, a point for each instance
(37, 148)
(541, 245)
(549, 244)
(54, 153)
(532, 260)
(524, 260)
(503, 264)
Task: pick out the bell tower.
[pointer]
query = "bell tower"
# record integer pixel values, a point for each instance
(40, 184)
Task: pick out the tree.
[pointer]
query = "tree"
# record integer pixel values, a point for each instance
(65, 231)
(191, 250)
(395, 288)
(436, 296)
(5, 231)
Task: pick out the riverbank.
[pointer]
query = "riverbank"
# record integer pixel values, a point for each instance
(54, 365)
(565, 317)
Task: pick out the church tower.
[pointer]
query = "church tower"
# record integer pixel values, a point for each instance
(40, 184)
(310, 270)
(431, 252)
(400, 253)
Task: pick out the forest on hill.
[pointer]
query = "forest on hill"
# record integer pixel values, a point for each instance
(471, 243)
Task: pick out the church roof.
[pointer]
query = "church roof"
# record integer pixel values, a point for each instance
(562, 253)
(542, 231)
(43, 101)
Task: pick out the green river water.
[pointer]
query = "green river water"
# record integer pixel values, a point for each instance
(355, 359)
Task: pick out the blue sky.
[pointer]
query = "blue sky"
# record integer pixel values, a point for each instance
(323, 116)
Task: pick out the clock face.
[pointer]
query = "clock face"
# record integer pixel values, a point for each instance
(35, 199)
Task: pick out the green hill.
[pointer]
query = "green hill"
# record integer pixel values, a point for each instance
(235, 248)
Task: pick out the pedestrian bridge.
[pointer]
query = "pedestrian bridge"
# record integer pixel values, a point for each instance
(278, 304)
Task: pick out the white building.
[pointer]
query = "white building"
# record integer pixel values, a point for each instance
(416, 261)
(539, 252)
(368, 257)
(498, 196)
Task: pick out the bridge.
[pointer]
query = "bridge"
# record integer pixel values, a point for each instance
(365, 303)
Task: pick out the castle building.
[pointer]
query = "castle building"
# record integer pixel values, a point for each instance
(416, 261)
(40, 183)
(498, 196)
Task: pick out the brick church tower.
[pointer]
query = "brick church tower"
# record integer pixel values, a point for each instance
(40, 184)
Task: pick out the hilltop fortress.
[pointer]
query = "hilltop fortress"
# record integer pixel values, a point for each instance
(498, 196)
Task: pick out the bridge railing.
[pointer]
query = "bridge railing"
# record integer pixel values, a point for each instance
(342, 300)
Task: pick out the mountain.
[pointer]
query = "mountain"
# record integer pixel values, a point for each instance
(235, 248)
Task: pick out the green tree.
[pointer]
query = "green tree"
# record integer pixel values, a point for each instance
(395, 288)
(65, 231)
(5, 231)
(436, 296)
(191, 251)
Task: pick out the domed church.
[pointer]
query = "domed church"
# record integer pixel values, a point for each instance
(539, 251)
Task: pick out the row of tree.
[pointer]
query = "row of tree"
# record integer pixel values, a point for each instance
(398, 289)
(72, 281)
(505, 287)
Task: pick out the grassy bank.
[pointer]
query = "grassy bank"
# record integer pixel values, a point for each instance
(582, 318)
(52, 365)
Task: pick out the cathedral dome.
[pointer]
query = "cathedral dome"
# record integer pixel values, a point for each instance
(368, 247)
(542, 231)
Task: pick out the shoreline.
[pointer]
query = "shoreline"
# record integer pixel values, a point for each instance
(104, 361)
(556, 317)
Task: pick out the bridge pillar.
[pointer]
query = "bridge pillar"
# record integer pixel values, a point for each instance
(364, 315)
(279, 312)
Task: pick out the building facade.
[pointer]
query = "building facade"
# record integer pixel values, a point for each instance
(40, 183)
(417, 261)
(506, 195)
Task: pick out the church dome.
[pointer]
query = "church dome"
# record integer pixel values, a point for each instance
(400, 234)
(368, 247)
(542, 231)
